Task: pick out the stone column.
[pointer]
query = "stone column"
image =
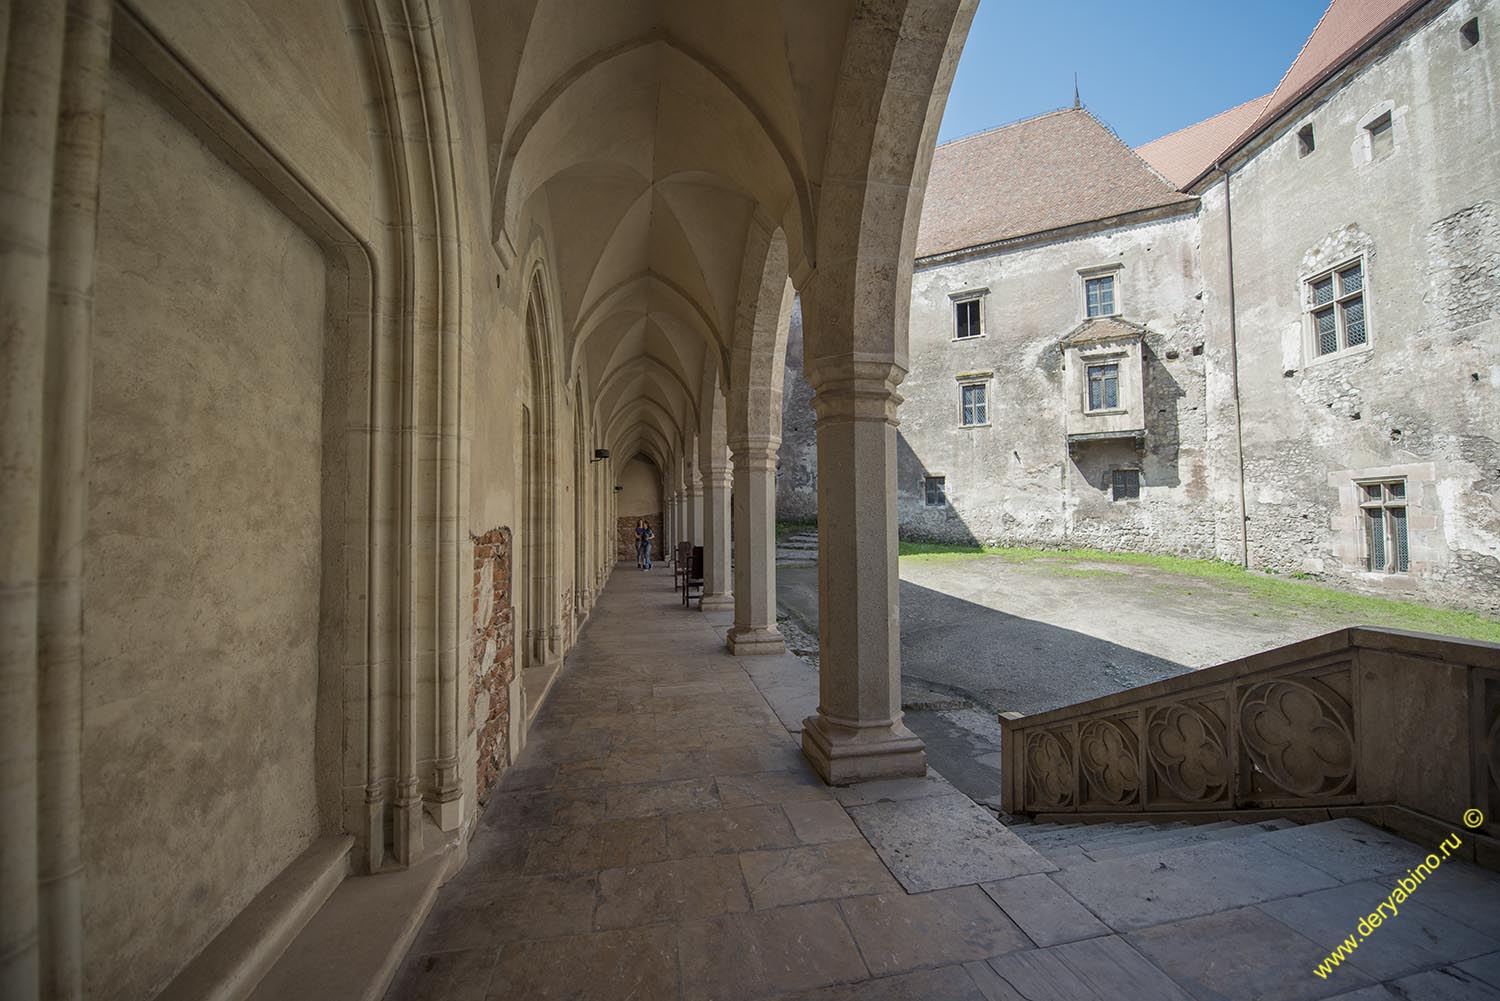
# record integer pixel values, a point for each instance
(754, 509)
(694, 511)
(717, 483)
(858, 733)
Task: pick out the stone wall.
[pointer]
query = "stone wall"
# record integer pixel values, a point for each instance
(492, 658)
(625, 536)
(797, 461)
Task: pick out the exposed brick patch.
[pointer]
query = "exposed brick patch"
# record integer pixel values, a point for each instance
(493, 662)
(625, 536)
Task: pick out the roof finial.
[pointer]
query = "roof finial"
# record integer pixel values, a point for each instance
(1076, 102)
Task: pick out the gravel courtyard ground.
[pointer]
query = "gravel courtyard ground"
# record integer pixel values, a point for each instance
(981, 634)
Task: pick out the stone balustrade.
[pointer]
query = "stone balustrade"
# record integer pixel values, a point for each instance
(1400, 729)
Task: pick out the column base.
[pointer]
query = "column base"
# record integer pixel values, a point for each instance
(842, 755)
(447, 814)
(765, 641)
(714, 602)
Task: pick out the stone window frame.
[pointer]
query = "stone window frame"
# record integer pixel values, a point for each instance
(982, 294)
(1364, 143)
(1117, 357)
(1115, 271)
(1305, 283)
(1385, 504)
(982, 379)
(942, 485)
(1424, 523)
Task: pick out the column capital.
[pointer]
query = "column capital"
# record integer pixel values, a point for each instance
(847, 388)
(754, 448)
(718, 478)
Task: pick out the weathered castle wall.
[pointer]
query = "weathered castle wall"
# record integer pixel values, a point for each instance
(1421, 400)
(797, 461)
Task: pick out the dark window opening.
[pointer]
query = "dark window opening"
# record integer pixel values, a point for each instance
(1305, 141)
(974, 405)
(1384, 507)
(1099, 296)
(1125, 484)
(966, 318)
(1468, 35)
(1382, 136)
(937, 492)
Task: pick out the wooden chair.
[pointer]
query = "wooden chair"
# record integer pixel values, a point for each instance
(681, 564)
(694, 578)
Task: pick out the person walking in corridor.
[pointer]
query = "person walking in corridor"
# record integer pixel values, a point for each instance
(646, 535)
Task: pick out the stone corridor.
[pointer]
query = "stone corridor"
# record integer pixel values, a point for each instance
(661, 837)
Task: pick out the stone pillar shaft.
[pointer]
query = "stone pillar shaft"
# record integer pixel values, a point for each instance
(717, 483)
(858, 733)
(754, 513)
(694, 514)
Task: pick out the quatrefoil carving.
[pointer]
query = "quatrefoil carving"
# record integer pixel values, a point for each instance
(1297, 737)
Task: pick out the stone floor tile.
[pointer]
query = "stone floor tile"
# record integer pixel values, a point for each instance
(495, 852)
(1347, 849)
(1096, 969)
(543, 808)
(737, 956)
(899, 932)
(604, 966)
(820, 821)
(686, 688)
(613, 769)
(771, 787)
(591, 847)
(950, 983)
(1486, 968)
(480, 915)
(444, 976)
(1243, 954)
(783, 756)
(1449, 984)
(816, 872)
(1416, 938)
(1156, 887)
(862, 793)
(933, 842)
(1463, 892)
(657, 798)
(682, 889)
(1044, 910)
(716, 832)
(1375, 992)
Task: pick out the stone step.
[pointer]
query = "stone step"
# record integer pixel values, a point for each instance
(1078, 833)
(1225, 831)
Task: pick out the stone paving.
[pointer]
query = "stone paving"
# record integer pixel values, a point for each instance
(661, 837)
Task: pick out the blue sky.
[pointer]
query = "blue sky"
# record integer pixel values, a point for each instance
(1144, 68)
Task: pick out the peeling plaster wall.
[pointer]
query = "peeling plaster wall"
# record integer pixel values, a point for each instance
(1425, 392)
(203, 570)
(1013, 481)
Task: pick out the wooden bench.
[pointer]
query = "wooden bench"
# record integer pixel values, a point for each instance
(694, 578)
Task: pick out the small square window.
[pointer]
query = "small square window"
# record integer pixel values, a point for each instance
(1305, 142)
(1382, 137)
(1104, 386)
(936, 491)
(966, 318)
(1099, 295)
(1468, 35)
(1125, 484)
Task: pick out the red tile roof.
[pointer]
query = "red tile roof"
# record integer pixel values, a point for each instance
(1054, 170)
(1186, 153)
(1346, 29)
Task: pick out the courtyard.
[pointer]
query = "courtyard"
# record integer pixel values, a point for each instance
(1017, 630)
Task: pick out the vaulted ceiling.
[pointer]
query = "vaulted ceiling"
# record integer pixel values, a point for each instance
(645, 140)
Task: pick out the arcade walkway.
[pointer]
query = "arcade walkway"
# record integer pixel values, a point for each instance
(661, 837)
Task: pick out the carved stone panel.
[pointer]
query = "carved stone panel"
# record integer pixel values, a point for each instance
(1187, 752)
(1297, 738)
(1050, 776)
(1109, 759)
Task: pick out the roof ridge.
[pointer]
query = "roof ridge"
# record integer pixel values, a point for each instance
(1204, 121)
(1271, 100)
(1010, 125)
(1166, 182)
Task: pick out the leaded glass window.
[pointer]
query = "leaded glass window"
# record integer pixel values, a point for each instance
(1337, 303)
(1384, 508)
(1104, 387)
(974, 403)
(1125, 484)
(1100, 295)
